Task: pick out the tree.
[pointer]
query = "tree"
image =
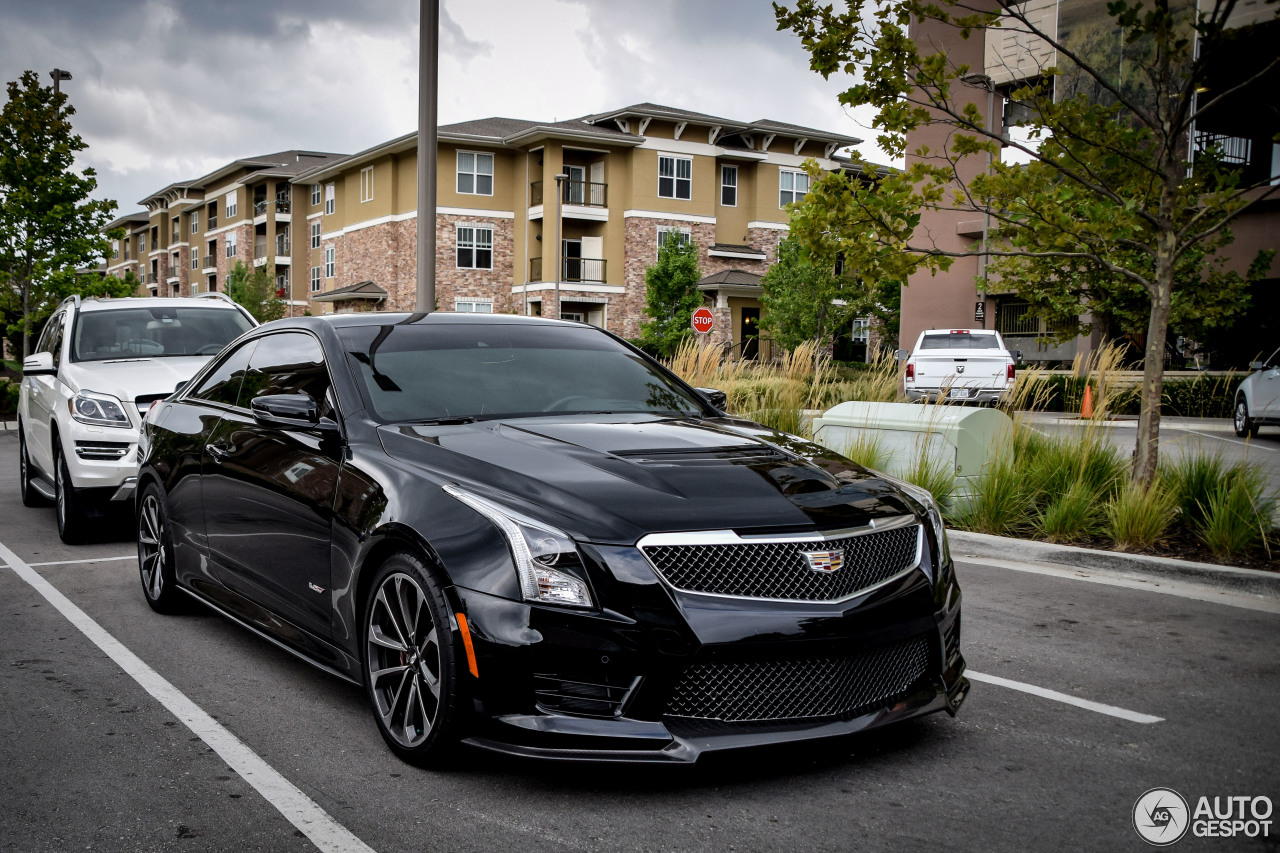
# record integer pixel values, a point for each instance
(671, 295)
(804, 298)
(255, 289)
(49, 226)
(1108, 196)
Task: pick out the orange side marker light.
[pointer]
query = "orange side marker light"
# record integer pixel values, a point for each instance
(466, 643)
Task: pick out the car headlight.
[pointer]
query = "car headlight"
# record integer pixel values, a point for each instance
(90, 407)
(540, 552)
(930, 506)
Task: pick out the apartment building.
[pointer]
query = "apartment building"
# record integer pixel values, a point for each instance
(964, 296)
(193, 232)
(512, 238)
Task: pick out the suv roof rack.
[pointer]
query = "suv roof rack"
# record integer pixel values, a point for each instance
(215, 294)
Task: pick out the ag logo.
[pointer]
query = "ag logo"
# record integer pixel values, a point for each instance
(1161, 816)
(959, 368)
(824, 561)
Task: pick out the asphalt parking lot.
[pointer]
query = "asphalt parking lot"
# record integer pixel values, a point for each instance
(1086, 695)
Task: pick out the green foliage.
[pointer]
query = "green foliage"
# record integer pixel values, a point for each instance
(255, 289)
(1071, 516)
(800, 291)
(1106, 218)
(49, 226)
(934, 474)
(9, 397)
(671, 295)
(1000, 505)
(1237, 519)
(1139, 516)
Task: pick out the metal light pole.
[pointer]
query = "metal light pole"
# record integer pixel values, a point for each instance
(985, 82)
(428, 75)
(560, 179)
(58, 76)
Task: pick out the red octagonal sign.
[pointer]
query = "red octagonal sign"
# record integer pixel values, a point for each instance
(702, 320)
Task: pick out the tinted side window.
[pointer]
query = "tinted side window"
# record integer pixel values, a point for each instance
(55, 340)
(46, 337)
(288, 363)
(223, 384)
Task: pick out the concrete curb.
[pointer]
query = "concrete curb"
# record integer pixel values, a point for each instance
(1251, 581)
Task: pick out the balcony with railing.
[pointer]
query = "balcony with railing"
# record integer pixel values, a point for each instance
(574, 193)
(590, 270)
(212, 223)
(261, 207)
(260, 248)
(149, 278)
(210, 261)
(282, 245)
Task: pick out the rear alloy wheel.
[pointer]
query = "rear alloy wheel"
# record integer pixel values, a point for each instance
(155, 554)
(71, 517)
(30, 497)
(410, 667)
(1245, 425)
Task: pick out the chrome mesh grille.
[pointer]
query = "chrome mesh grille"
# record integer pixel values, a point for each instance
(780, 570)
(802, 688)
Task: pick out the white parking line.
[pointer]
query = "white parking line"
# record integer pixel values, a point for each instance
(1109, 710)
(93, 560)
(299, 809)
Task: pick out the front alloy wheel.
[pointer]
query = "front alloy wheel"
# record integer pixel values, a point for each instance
(155, 554)
(409, 661)
(1245, 426)
(71, 517)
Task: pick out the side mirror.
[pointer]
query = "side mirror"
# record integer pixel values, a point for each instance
(290, 411)
(901, 354)
(1253, 365)
(1017, 355)
(715, 397)
(39, 364)
(183, 384)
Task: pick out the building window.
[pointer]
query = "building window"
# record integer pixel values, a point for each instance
(142, 244)
(195, 259)
(473, 306)
(675, 177)
(115, 249)
(330, 194)
(315, 194)
(329, 263)
(231, 204)
(195, 288)
(195, 222)
(315, 279)
(792, 186)
(475, 248)
(683, 235)
(366, 184)
(729, 186)
(475, 173)
(231, 244)
(315, 235)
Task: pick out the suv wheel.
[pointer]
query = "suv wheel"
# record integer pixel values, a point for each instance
(30, 497)
(1245, 425)
(71, 521)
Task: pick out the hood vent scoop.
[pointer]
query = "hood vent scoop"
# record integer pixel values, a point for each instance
(703, 455)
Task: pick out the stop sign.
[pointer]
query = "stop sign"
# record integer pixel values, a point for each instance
(702, 320)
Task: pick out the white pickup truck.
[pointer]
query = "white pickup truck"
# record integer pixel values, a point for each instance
(970, 365)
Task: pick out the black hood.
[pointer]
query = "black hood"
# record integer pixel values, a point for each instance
(618, 478)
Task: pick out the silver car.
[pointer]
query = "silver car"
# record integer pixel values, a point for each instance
(1258, 397)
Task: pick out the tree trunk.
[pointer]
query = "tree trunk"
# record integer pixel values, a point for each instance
(1146, 455)
(26, 313)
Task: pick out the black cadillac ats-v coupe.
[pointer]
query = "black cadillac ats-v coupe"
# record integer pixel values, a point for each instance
(527, 536)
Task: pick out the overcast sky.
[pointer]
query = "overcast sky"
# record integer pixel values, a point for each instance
(168, 90)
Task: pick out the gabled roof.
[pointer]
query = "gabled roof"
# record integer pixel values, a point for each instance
(278, 164)
(730, 278)
(359, 290)
(129, 220)
(659, 111)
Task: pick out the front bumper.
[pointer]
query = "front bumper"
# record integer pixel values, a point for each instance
(601, 686)
(104, 459)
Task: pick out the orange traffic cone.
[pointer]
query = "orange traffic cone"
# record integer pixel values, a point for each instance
(1086, 408)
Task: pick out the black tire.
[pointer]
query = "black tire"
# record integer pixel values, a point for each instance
(412, 681)
(30, 497)
(69, 503)
(155, 554)
(1246, 426)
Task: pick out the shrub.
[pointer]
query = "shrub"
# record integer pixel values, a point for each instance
(9, 398)
(1000, 504)
(1072, 515)
(1139, 517)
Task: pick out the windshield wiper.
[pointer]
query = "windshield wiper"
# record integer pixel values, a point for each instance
(444, 420)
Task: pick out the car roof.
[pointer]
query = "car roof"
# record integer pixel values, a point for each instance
(387, 318)
(103, 303)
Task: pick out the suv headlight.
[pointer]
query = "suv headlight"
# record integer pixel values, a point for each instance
(930, 506)
(540, 552)
(90, 407)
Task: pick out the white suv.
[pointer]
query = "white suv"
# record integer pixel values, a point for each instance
(1258, 398)
(98, 366)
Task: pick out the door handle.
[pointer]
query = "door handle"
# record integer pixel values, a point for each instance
(219, 452)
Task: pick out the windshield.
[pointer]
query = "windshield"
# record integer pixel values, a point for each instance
(959, 340)
(160, 332)
(433, 372)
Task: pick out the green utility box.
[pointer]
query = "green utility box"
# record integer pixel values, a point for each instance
(901, 433)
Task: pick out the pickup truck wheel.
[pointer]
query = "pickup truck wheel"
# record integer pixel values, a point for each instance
(30, 497)
(71, 521)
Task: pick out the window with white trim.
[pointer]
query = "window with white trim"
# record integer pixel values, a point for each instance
(315, 279)
(675, 177)
(232, 205)
(315, 194)
(729, 186)
(330, 196)
(330, 265)
(195, 222)
(473, 306)
(475, 247)
(142, 244)
(366, 184)
(115, 248)
(475, 173)
(195, 259)
(231, 244)
(683, 235)
(315, 235)
(792, 186)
